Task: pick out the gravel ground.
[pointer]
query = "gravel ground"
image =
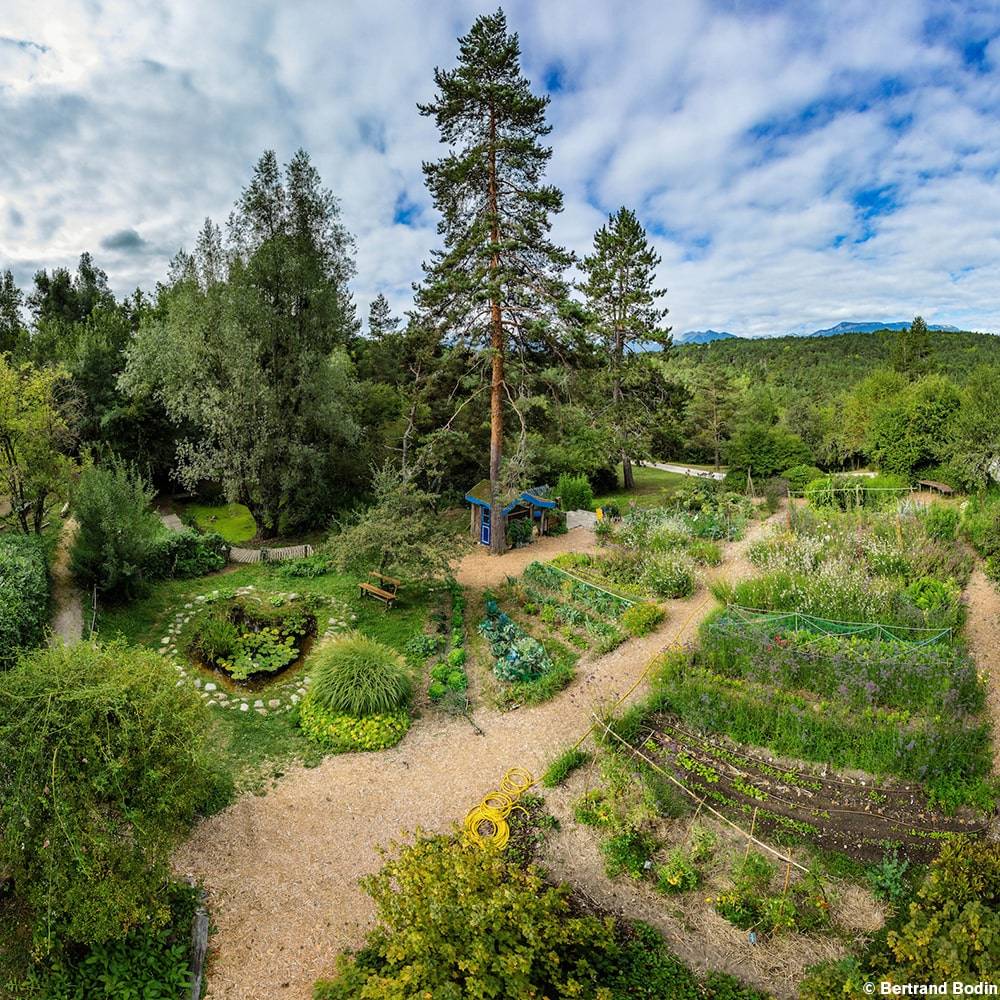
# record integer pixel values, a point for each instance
(67, 607)
(282, 870)
(982, 632)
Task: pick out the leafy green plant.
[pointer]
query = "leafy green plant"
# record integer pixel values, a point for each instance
(677, 873)
(799, 477)
(150, 962)
(519, 531)
(564, 765)
(357, 676)
(641, 619)
(627, 851)
(341, 732)
(888, 880)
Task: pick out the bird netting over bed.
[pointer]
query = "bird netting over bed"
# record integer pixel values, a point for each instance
(737, 619)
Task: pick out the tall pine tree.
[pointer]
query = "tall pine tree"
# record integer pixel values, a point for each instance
(911, 350)
(497, 285)
(623, 313)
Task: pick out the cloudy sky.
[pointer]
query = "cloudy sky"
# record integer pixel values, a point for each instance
(797, 164)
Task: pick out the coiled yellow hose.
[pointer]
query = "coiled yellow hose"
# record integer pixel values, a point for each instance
(486, 823)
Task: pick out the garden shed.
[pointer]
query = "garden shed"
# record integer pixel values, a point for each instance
(535, 505)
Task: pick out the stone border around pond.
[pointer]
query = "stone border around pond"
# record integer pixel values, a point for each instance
(282, 696)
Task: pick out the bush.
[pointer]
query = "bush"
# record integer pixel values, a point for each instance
(307, 568)
(24, 595)
(341, 732)
(641, 619)
(563, 766)
(519, 531)
(454, 918)
(118, 530)
(357, 676)
(799, 477)
(149, 962)
(187, 553)
(941, 522)
(574, 492)
(669, 575)
(114, 762)
(981, 524)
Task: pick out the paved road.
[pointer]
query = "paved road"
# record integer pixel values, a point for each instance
(685, 470)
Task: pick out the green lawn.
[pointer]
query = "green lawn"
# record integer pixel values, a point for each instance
(233, 521)
(652, 487)
(260, 747)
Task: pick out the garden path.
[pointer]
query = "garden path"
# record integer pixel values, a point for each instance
(67, 606)
(982, 632)
(282, 870)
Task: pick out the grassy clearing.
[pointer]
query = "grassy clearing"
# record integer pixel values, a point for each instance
(233, 521)
(652, 487)
(260, 747)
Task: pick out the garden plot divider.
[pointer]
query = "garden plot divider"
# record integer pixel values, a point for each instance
(740, 619)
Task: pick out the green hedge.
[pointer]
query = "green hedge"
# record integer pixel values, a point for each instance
(24, 595)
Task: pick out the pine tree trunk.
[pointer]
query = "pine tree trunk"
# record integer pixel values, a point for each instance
(498, 541)
(628, 479)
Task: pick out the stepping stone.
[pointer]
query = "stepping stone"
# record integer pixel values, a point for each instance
(244, 707)
(211, 687)
(258, 703)
(274, 703)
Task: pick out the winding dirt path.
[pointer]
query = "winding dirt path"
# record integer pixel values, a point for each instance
(282, 870)
(982, 632)
(67, 606)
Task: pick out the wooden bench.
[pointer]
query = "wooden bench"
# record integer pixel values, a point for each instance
(387, 582)
(378, 593)
(940, 487)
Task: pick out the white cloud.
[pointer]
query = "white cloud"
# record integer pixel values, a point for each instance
(746, 135)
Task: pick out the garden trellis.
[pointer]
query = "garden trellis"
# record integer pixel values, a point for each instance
(738, 619)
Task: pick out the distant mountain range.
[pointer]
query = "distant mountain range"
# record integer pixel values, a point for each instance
(848, 326)
(703, 336)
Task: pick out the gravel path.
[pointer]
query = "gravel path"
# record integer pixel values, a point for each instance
(982, 632)
(67, 606)
(282, 870)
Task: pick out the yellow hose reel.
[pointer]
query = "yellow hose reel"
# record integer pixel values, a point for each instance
(486, 823)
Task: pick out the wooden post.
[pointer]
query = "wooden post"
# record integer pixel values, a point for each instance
(199, 948)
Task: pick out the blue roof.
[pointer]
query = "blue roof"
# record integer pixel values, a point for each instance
(479, 495)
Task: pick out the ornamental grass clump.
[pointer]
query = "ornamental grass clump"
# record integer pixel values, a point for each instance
(358, 676)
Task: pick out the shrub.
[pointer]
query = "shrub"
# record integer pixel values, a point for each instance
(114, 762)
(357, 676)
(187, 553)
(677, 873)
(341, 732)
(941, 522)
(799, 477)
(641, 619)
(306, 568)
(118, 531)
(453, 917)
(981, 524)
(574, 492)
(24, 595)
(151, 962)
(563, 766)
(774, 490)
(669, 575)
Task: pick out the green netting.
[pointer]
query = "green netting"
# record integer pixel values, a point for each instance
(739, 619)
